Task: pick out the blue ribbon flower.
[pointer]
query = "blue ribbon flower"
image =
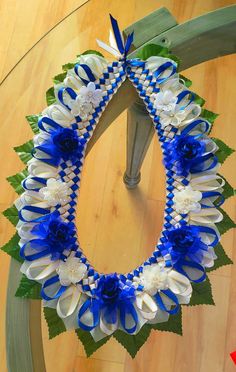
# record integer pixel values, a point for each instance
(111, 298)
(65, 144)
(185, 243)
(53, 237)
(187, 152)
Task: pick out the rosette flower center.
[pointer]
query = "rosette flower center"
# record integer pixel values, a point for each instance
(109, 289)
(66, 141)
(189, 148)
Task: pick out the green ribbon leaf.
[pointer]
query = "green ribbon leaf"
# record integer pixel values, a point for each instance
(187, 82)
(132, 343)
(54, 322)
(59, 78)
(202, 294)
(11, 214)
(33, 122)
(90, 346)
(156, 50)
(28, 289)
(222, 258)
(174, 324)
(209, 115)
(68, 66)
(224, 150)
(50, 96)
(12, 248)
(199, 100)
(226, 224)
(25, 151)
(15, 181)
(90, 51)
(228, 189)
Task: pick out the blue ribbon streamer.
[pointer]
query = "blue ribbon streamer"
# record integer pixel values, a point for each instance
(123, 49)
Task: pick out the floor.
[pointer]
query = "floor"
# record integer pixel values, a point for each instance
(134, 217)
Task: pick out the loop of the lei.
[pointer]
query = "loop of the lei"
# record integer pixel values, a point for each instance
(82, 296)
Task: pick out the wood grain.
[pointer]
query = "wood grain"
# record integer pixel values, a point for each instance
(118, 228)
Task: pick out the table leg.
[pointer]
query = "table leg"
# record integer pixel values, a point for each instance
(140, 131)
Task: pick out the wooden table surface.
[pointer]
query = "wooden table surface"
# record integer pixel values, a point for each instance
(118, 228)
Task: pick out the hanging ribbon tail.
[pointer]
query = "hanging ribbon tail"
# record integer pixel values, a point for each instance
(117, 46)
(117, 34)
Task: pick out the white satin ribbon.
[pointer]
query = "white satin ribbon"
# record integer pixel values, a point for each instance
(146, 305)
(68, 301)
(41, 268)
(206, 216)
(112, 48)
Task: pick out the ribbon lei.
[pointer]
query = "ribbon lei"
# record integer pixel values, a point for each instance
(117, 46)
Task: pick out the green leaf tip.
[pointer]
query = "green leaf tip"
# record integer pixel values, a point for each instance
(222, 258)
(15, 181)
(90, 346)
(54, 322)
(12, 248)
(202, 293)
(25, 151)
(28, 289)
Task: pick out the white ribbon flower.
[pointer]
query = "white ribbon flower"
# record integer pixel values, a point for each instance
(59, 114)
(90, 94)
(153, 278)
(165, 101)
(71, 271)
(56, 192)
(187, 200)
(96, 63)
(80, 108)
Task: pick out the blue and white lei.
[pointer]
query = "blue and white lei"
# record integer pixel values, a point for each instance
(83, 297)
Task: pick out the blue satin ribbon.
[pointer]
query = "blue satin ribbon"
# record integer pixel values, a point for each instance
(69, 91)
(48, 121)
(50, 150)
(179, 267)
(184, 94)
(128, 309)
(49, 282)
(123, 49)
(36, 179)
(168, 293)
(33, 209)
(209, 230)
(161, 69)
(194, 124)
(88, 72)
(92, 305)
(210, 194)
(196, 169)
(34, 256)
